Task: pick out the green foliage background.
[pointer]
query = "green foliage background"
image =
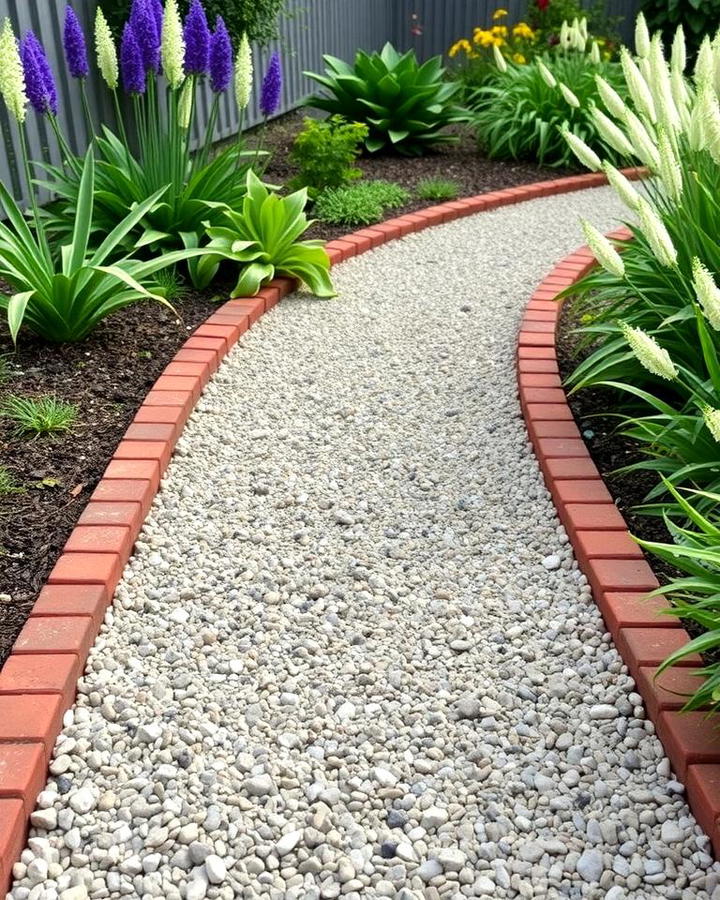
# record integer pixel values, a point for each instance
(698, 18)
(258, 17)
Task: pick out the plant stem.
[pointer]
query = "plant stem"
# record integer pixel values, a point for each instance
(120, 120)
(202, 155)
(69, 157)
(45, 247)
(86, 109)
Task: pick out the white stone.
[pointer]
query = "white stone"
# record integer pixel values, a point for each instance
(288, 842)
(215, 869)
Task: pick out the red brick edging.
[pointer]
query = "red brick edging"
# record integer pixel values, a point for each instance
(39, 679)
(614, 565)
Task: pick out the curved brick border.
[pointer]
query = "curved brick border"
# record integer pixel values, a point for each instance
(612, 562)
(39, 678)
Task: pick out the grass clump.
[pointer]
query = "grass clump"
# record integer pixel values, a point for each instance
(41, 415)
(8, 485)
(359, 204)
(437, 189)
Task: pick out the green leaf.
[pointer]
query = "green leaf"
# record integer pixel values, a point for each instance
(16, 312)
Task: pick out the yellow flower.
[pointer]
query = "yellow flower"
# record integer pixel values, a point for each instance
(523, 30)
(499, 30)
(484, 38)
(499, 14)
(462, 44)
(519, 58)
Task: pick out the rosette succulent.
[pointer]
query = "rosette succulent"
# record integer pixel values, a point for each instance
(405, 105)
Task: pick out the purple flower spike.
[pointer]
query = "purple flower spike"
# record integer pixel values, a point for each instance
(159, 15)
(75, 46)
(197, 40)
(131, 62)
(271, 87)
(39, 80)
(221, 57)
(143, 19)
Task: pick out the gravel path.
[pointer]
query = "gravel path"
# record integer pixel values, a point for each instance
(353, 654)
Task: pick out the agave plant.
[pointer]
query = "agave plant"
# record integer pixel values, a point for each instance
(263, 239)
(405, 105)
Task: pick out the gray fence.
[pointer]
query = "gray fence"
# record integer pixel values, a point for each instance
(311, 28)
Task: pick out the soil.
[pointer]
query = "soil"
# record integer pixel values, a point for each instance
(108, 375)
(460, 162)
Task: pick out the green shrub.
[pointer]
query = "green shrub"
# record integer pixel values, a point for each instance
(359, 204)
(697, 17)
(259, 18)
(520, 111)
(44, 415)
(405, 105)
(325, 152)
(437, 189)
(263, 238)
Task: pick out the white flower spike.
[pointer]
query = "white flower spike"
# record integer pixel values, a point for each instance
(243, 73)
(106, 53)
(707, 293)
(570, 98)
(499, 59)
(649, 353)
(622, 186)
(173, 45)
(711, 418)
(587, 156)
(642, 37)
(12, 78)
(657, 235)
(603, 250)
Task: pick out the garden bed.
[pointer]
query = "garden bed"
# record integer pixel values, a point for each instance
(609, 450)
(460, 162)
(107, 377)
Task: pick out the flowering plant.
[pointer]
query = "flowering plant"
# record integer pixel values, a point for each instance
(515, 42)
(188, 53)
(64, 300)
(523, 110)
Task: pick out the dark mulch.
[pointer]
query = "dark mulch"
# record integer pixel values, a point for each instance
(460, 162)
(108, 375)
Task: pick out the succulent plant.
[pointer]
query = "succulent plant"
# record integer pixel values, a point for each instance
(405, 105)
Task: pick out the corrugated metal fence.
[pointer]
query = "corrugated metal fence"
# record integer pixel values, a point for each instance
(312, 28)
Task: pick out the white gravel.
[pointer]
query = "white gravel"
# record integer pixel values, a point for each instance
(339, 662)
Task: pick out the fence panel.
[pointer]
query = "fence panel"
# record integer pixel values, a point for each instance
(311, 28)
